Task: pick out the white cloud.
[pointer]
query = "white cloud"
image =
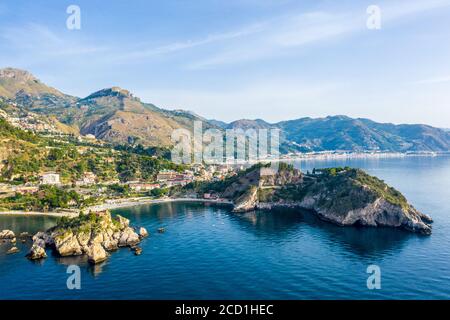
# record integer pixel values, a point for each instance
(283, 34)
(300, 30)
(274, 37)
(35, 41)
(142, 53)
(399, 9)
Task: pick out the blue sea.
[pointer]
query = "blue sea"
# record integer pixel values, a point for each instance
(207, 252)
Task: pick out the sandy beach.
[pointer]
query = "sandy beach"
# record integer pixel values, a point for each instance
(141, 201)
(37, 213)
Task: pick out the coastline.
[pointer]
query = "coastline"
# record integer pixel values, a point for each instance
(142, 201)
(336, 155)
(355, 155)
(38, 213)
(125, 203)
(112, 206)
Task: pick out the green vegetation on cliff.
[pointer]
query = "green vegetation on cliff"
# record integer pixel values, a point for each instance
(338, 189)
(85, 223)
(380, 188)
(344, 196)
(46, 199)
(25, 155)
(9, 131)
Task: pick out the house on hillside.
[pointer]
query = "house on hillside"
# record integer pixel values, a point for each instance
(172, 178)
(87, 179)
(51, 178)
(27, 189)
(166, 175)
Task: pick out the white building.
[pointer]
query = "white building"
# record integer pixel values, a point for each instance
(50, 178)
(144, 186)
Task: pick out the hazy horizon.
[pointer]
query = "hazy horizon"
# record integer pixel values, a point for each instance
(271, 60)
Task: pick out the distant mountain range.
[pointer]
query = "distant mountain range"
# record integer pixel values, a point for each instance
(348, 134)
(116, 116)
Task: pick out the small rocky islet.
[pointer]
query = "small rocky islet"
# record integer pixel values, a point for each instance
(8, 236)
(93, 234)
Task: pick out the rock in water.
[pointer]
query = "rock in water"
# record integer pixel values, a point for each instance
(7, 234)
(137, 251)
(161, 230)
(143, 232)
(110, 245)
(37, 250)
(45, 237)
(124, 222)
(96, 253)
(128, 238)
(13, 250)
(67, 244)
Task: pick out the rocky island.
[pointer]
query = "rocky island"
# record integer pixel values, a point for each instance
(93, 234)
(343, 196)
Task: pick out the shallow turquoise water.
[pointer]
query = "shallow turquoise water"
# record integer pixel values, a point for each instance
(209, 253)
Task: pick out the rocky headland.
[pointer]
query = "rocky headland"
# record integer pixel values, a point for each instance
(343, 196)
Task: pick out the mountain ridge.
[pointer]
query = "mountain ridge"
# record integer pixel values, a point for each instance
(115, 115)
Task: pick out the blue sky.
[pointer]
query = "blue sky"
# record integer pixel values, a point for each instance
(274, 59)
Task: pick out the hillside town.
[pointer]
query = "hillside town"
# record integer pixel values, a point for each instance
(71, 171)
(29, 121)
(89, 185)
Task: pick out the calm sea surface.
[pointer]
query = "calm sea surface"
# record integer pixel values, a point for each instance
(209, 253)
